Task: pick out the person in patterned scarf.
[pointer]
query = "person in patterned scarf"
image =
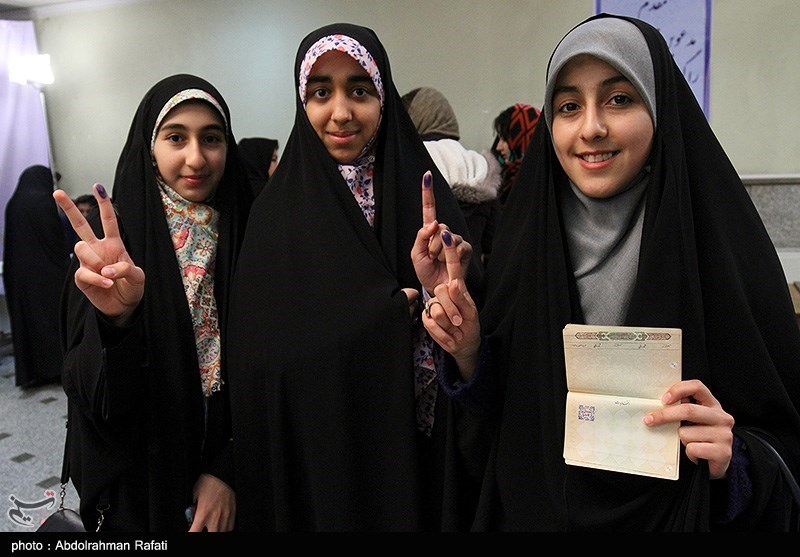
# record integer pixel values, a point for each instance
(143, 320)
(337, 420)
(513, 128)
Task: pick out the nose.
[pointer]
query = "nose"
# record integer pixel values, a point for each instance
(341, 111)
(195, 157)
(502, 147)
(594, 124)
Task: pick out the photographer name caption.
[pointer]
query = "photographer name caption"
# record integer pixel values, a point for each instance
(88, 545)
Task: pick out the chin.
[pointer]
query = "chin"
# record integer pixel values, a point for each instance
(342, 158)
(194, 196)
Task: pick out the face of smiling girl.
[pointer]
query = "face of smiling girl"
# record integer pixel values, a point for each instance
(190, 150)
(602, 129)
(342, 105)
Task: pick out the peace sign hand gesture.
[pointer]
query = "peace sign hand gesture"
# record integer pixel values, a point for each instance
(107, 275)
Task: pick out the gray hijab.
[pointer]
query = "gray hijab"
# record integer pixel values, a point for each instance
(604, 235)
(614, 41)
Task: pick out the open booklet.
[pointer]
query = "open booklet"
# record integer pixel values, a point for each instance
(615, 375)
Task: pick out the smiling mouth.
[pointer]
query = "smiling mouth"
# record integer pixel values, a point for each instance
(598, 158)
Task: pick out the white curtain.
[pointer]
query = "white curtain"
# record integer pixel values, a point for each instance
(24, 138)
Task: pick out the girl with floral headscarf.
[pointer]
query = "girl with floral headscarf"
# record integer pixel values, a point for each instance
(338, 422)
(143, 321)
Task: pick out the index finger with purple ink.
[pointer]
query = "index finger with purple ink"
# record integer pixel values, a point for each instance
(428, 199)
(79, 222)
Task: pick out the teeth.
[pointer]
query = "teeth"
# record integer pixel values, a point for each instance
(598, 158)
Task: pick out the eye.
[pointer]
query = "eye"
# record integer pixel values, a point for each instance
(319, 93)
(213, 139)
(621, 99)
(174, 138)
(364, 91)
(568, 107)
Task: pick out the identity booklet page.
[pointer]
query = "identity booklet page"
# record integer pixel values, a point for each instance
(615, 375)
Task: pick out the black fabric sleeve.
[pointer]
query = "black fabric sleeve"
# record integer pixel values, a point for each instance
(101, 369)
(222, 467)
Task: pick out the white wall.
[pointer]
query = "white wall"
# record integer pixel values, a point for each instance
(483, 55)
(790, 258)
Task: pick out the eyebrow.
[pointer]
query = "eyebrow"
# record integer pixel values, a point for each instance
(605, 83)
(358, 78)
(178, 126)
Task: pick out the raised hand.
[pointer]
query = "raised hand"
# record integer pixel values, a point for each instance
(427, 254)
(107, 275)
(451, 316)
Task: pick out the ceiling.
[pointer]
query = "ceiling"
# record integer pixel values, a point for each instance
(42, 8)
(10, 4)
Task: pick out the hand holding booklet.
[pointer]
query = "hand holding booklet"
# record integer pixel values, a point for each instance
(615, 375)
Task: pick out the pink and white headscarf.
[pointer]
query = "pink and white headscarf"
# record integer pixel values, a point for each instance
(359, 174)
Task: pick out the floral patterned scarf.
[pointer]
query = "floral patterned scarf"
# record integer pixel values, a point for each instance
(194, 233)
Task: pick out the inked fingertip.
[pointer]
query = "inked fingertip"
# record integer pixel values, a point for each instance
(426, 179)
(447, 238)
(101, 189)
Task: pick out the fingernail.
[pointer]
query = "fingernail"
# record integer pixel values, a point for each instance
(457, 320)
(426, 180)
(667, 398)
(447, 238)
(101, 190)
(648, 419)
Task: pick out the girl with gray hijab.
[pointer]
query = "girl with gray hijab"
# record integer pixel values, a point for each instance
(631, 214)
